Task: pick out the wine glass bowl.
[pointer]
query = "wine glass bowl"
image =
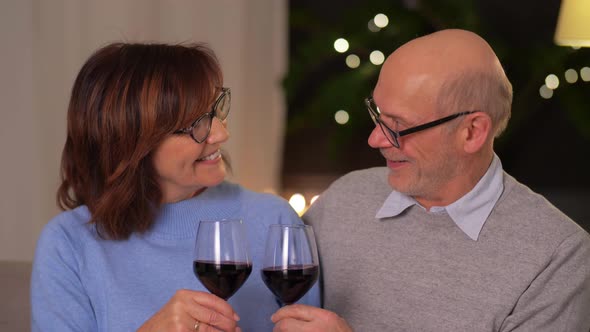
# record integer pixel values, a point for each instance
(291, 265)
(221, 259)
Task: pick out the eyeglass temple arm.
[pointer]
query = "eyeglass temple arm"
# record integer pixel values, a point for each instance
(433, 123)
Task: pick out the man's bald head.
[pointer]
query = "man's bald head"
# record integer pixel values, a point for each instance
(458, 70)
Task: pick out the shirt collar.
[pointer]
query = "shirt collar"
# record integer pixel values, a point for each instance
(469, 213)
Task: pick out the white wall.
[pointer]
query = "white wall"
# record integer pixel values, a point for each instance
(44, 43)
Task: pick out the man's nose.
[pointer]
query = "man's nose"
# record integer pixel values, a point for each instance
(377, 139)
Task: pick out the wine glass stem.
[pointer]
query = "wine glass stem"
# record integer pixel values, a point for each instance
(279, 302)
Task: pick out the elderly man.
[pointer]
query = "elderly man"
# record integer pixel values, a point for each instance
(442, 239)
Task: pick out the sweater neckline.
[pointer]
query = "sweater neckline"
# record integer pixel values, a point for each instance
(181, 219)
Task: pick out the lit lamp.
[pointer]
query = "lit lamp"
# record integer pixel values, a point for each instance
(573, 24)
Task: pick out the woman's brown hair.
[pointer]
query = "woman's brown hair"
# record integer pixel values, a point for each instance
(126, 99)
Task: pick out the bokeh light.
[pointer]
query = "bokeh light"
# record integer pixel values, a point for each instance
(571, 76)
(381, 20)
(552, 81)
(297, 202)
(545, 92)
(376, 57)
(341, 45)
(341, 117)
(353, 61)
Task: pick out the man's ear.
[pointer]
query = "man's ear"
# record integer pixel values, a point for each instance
(476, 129)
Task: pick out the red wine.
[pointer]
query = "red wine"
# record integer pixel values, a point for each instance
(289, 285)
(222, 279)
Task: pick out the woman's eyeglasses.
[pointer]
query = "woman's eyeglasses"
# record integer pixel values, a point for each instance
(200, 129)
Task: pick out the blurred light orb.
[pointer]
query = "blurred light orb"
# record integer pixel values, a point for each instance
(353, 61)
(545, 92)
(381, 20)
(341, 45)
(372, 26)
(313, 199)
(377, 57)
(297, 202)
(585, 74)
(571, 76)
(341, 117)
(552, 81)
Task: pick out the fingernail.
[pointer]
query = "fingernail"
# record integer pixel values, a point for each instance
(238, 329)
(236, 317)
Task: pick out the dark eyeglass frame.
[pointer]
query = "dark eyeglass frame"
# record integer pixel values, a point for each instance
(225, 93)
(394, 135)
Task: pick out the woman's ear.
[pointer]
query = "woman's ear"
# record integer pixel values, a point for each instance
(476, 129)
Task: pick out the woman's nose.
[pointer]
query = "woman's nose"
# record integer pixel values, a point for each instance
(219, 132)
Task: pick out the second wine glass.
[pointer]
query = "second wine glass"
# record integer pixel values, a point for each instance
(291, 264)
(221, 256)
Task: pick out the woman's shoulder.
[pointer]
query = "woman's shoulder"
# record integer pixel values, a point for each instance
(72, 224)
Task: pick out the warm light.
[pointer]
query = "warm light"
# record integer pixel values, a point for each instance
(552, 81)
(341, 45)
(269, 191)
(313, 199)
(545, 92)
(571, 76)
(377, 57)
(573, 24)
(585, 74)
(353, 61)
(381, 20)
(341, 117)
(297, 202)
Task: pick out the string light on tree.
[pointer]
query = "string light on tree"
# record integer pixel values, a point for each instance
(552, 81)
(571, 76)
(376, 57)
(353, 61)
(372, 26)
(341, 117)
(341, 45)
(381, 20)
(545, 92)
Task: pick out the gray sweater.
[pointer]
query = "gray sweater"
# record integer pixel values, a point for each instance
(528, 271)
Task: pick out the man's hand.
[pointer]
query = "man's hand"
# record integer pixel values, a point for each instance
(304, 318)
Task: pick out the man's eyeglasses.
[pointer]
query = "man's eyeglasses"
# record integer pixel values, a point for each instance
(393, 135)
(201, 128)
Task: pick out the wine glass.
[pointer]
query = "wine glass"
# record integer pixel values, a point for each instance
(221, 258)
(291, 265)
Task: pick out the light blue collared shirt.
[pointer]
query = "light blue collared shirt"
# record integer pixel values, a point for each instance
(469, 213)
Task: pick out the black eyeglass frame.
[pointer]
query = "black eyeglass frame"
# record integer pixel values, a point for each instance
(395, 135)
(225, 92)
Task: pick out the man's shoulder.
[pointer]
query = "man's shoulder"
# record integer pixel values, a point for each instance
(369, 178)
(533, 212)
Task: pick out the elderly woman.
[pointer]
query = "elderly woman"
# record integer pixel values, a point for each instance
(141, 166)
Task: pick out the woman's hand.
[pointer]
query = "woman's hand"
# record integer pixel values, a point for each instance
(304, 318)
(187, 308)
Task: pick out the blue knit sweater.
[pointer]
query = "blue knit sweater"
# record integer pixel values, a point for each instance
(81, 282)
